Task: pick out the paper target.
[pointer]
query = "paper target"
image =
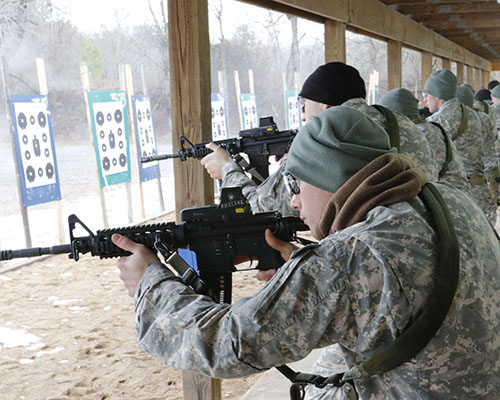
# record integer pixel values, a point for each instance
(109, 118)
(35, 149)
(293, 112)
(145, 137)
(249, 111)
(219, 120)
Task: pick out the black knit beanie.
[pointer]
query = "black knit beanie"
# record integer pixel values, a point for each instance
(492, 84)
(483, 94)
(333, 84)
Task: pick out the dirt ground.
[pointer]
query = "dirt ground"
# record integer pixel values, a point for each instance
(68, 333)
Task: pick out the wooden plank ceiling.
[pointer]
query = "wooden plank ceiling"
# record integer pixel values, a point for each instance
(473, 24)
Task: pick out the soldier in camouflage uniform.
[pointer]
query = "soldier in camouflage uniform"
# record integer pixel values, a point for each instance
(482, 102)
(495, 99)
(463, 126)
(490, 154)
(329, 85)
(364, 283)
(451, 169)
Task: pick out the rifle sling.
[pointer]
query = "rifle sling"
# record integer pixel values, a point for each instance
(391, 125)
(463, 124)
(449, 153)
(424, 327)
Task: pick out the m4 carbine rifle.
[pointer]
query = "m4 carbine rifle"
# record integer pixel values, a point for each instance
(257, 143)
(217, 234)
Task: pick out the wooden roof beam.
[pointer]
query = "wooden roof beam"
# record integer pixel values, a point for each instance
(376, 18)
(449, 22)
(425, 9)
(417, 2)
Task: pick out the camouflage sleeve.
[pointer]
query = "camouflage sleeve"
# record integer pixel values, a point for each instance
(490, 143)
(294, 313)
(496, 116)
(234, 176)
(270, 195)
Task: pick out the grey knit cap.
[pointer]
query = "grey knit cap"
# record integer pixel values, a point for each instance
(401, 100)
(496, 92)
(441, 84)
(335, 145)
(465, 95)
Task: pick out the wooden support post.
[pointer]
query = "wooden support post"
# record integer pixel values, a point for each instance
(426, 66)
(477, 79)
(334, 41)
(460, 73)
(486, 78)
(394, 64)
(470, 75)
(86, 87)
(446, 63)
(190, 86)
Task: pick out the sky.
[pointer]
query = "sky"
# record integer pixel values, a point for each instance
(91, 16)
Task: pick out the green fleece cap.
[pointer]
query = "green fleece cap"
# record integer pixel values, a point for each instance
(401, 100)
(441, 84)
(335, 145)
(496, 92)
(465, 95)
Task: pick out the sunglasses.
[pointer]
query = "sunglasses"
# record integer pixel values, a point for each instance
(291, 183)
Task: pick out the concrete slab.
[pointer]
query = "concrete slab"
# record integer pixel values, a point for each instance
(274, 386)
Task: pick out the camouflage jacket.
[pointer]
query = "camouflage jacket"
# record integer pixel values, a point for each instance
(469, 145)
(483, 106)
(490, 142)
(412, 142)
(496, 112)
(454, 172)
(359, 287)
(270, 195)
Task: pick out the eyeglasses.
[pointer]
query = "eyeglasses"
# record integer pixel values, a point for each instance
(302, 103)
(291, 183)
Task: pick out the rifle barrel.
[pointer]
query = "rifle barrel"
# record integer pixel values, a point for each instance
(34, 252)
(160, 157)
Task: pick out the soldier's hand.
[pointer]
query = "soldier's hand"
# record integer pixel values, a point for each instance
(215, 161)
(132, 267)
(283, 247)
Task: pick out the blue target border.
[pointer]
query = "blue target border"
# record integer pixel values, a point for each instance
(147, 171)
(40, 194)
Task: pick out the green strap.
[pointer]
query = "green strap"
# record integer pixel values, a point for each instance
(449, 152)
(422, 330)
(391, 125)
(463, 124)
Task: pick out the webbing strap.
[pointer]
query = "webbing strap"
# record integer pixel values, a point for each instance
(463, 124)
(422, 330)
(391, 125)
(449, 152)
